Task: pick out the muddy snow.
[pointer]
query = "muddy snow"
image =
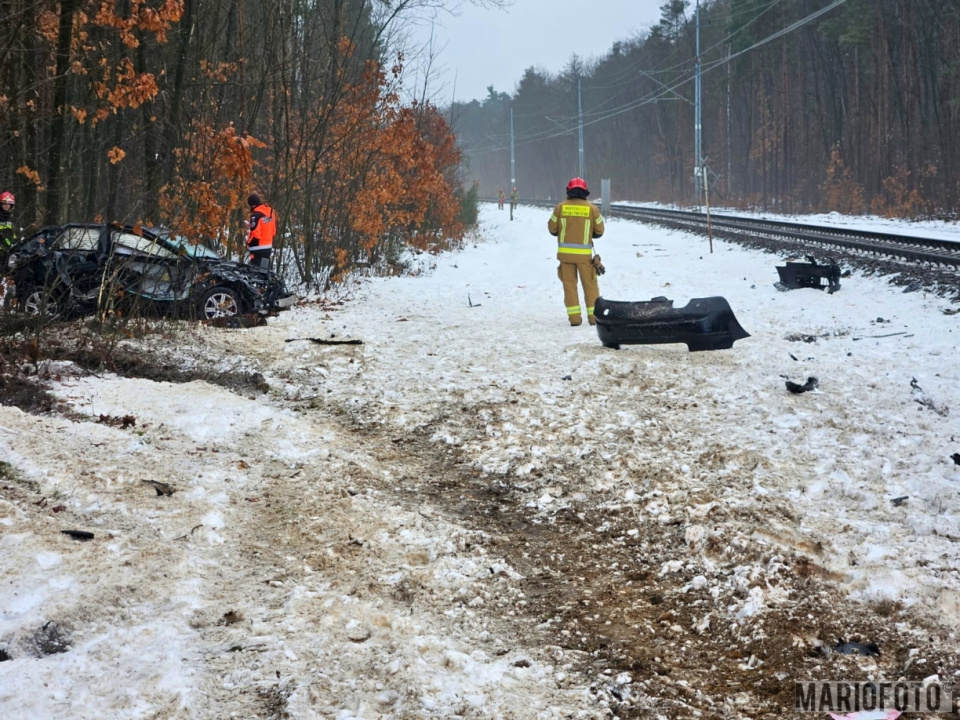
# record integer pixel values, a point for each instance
(480, 512)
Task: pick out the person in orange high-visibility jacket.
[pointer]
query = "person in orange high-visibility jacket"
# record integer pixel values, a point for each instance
(263, 228)
(576, 222)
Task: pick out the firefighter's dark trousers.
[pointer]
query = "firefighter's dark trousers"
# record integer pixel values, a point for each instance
(259, 259)
(567, 272)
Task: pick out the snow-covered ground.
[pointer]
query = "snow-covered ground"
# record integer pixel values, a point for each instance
(311, 563)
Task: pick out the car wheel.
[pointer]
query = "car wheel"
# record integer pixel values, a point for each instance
(219, 302)
(36, 302)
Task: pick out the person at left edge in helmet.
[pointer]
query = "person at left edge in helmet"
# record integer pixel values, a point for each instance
(7, 234)
(576, 223)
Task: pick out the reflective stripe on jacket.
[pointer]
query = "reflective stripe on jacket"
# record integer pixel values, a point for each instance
(7, 234)
(263, 228)
(575, 223)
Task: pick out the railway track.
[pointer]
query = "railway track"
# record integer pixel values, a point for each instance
(913, 249)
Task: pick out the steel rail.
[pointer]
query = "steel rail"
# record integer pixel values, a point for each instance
(909, 247)
(917, 249)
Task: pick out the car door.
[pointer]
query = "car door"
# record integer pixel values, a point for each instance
(145, 266)
(57, 269)
(77, 249)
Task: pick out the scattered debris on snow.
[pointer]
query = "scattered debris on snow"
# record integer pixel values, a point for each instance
(811, 384)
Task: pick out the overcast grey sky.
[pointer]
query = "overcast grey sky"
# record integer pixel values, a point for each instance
(482, 47)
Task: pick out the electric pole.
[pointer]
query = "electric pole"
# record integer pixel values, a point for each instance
(697, 120)
(580, 120)
(513, 158)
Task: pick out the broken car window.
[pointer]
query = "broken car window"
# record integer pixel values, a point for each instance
(146, 245)
(79, 239)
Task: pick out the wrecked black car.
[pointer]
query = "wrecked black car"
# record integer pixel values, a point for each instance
(74, 269)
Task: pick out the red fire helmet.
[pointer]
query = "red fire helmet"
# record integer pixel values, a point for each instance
(8, 197)
(577, 183)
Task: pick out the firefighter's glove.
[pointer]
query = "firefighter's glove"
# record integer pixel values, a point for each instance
(597, 265)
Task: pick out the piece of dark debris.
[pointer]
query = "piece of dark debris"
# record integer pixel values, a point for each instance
(161, 488)
(231, 617)
(115, 421)
(81, 535)
(522, 663)
(956, 458)
(4, 655)
(898, 501)
(857, 648)
(616, 691)
(567, 377)
(324, 341)
(51, 639)
(811, 384)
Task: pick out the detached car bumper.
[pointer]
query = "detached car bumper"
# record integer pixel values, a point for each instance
(703, 324)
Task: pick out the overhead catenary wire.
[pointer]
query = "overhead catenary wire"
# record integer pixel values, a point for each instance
(627, 75)
(625, 84)
(653, 97)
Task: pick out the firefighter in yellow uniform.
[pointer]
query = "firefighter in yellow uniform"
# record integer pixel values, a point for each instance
(576, 222)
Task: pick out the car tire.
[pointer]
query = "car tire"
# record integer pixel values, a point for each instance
(33, 301)
(219, 302)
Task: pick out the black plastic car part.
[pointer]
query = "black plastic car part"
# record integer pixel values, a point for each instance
(702, 324)
(796, 275)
